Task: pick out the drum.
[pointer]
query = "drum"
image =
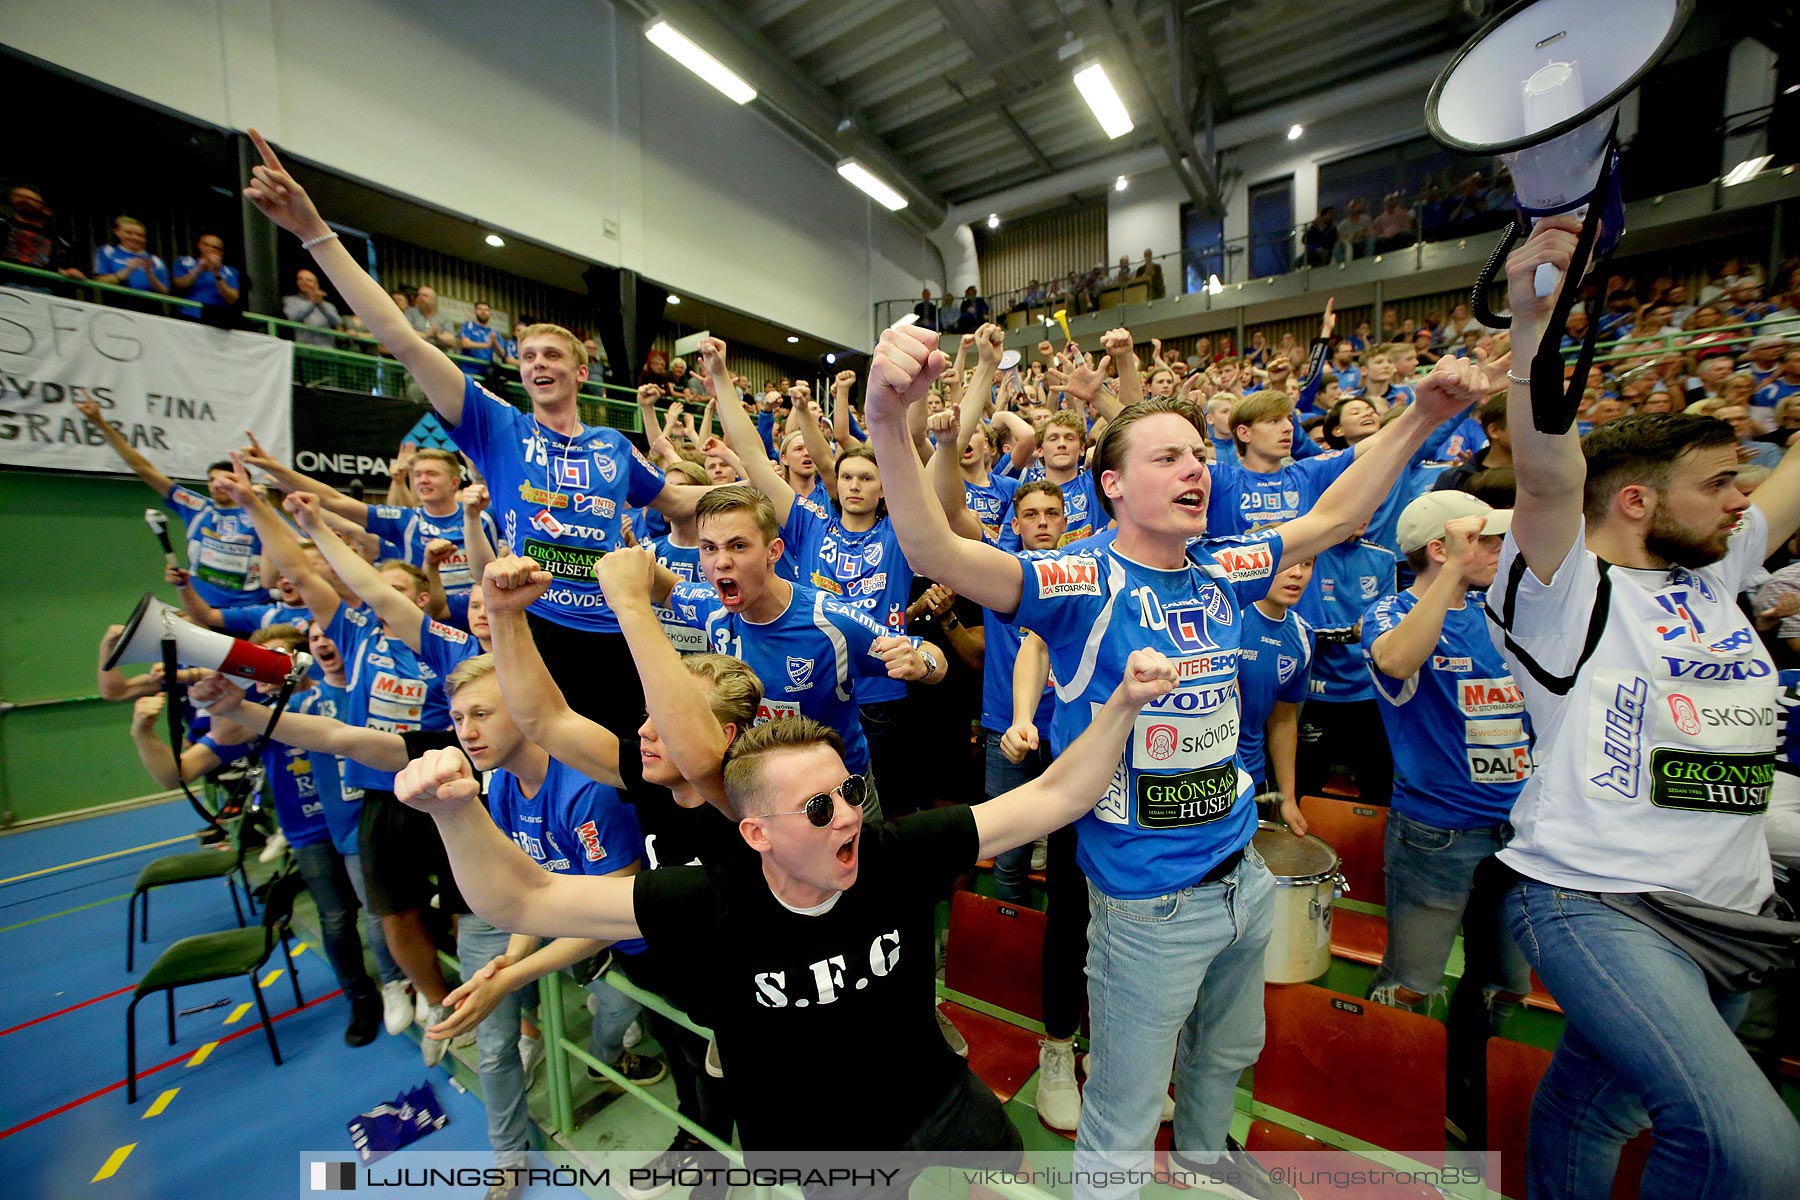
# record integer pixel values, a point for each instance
(1307, 880)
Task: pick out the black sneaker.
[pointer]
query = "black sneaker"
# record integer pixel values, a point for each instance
(684, 1154)
(641, 1069)
(1236, 1174)
(365, 1022)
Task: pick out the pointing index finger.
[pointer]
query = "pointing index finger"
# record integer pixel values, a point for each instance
(269, 157)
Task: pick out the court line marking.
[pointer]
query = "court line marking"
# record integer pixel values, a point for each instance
(65, 912)
(147, 1071)
(237, 1014)
(162, 1102)
(201, 1053)
(114, 1162)
(59, 1012)
(82, 862)
(271, 977)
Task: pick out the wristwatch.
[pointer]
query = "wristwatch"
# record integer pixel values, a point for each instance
(931, 661)
(950, 621)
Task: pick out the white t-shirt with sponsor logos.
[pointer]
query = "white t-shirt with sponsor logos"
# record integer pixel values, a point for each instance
(1654, 765)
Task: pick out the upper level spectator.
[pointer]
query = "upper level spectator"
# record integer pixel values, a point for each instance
(1393, 226)
(683, 380)
(28, 235)
(126, 261)
(973, 313)
(1321, 237)
(1124, 273)
(203, 276)
(655, 372)
(926, 310)
(1353, 230)
(1150, 272)
(308, 306)
(439, 328)
(478, 340)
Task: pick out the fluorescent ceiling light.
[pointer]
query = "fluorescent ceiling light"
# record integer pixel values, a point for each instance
(792, 340)
(664, 37)
(1098, 91)
(865, 181)
(495, 240)
(1121, 183)
(1294, 132)
(993, 220)
(1747, 170)
(830, 359)
(674, 299)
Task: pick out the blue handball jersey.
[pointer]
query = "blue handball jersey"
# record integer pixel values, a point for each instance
(222, 549)
(684, 563)
(386, 687)
(570, 826)
(1457, 727)
(343, 805)
(558, 500)
(1347, 578)
(1242, 499)
(992, 504)
(1273, 664)
(288, 771)
(442, 649)
(1178, 803)
(999, 656)
(810, 659)
(412, 529)
(1081, 505)
(248, 618)
(867, 571)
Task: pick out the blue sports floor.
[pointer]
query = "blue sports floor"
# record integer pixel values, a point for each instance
(228, 1124)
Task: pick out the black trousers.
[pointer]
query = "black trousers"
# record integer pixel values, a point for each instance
(1344, 735)
(594, 671)
(699, 1096)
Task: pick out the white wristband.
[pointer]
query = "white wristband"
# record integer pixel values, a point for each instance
(309, 243)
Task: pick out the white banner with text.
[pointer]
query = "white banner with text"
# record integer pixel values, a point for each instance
(180, 392)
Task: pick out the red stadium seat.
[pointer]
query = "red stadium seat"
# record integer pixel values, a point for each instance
(1513, 1071)
(1357, 832)
(1356, 1067)
(995, 954)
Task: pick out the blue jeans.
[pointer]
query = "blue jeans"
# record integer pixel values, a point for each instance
(385, 966)
(503, 1082)
(1647, 1044)
(614, 1012)
(1175, 982)
(334, 896)
(1012, 868)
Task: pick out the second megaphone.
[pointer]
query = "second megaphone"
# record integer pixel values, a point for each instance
(152, 621)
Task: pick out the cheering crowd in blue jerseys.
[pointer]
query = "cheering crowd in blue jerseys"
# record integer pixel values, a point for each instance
(656, 721)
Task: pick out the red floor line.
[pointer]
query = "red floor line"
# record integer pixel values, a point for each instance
(59, 1012)
(179, 1058)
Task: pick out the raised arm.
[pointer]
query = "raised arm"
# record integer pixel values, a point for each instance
(841, 388)
(154, 751)
(500, 882)
(1453, 385)
(905, 363)
(198, 610)
(533, 700)
(280, 198)
(280, 546)
(373, 748)
(401, 616)
(1402, 650)
(1123, 351)
(678, 703)
(814, 436)
(289, 480)
(1079, 776)
(740, 433)
(140, 466)
(945, 473)
(1550, 468)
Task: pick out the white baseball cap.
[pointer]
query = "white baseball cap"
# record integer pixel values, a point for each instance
(1423, 521)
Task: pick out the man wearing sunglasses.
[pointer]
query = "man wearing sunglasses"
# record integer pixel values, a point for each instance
(826, 937)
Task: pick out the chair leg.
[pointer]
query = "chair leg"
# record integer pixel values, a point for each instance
(144, 912)
(249, 892)
(268, 1025)
(169, 995)
(292, 970)
(131, 928)
(131, 1050)
(231, 885)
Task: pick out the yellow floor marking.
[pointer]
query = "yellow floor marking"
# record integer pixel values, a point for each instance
(82, 862)
(271, 977)
(201, 1053)
(114, 1163)
(237, 1014)
(295, 952)
(162, 1102)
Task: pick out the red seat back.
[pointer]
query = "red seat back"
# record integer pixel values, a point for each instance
(1513, 1071)
(1358, 833)
(996, 953)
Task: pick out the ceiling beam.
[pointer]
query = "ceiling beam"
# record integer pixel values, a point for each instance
(1123, 34)
(797, 100)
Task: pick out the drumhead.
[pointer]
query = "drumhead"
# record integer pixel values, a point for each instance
(1293, 858)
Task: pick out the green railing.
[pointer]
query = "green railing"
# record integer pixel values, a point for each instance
(354, 362)
(1669, 341)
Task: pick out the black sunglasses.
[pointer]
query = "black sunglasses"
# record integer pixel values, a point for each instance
(819, 808)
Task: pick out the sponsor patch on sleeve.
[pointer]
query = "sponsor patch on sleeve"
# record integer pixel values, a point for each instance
(1071, 576)
(1243, 563)
(590, 841)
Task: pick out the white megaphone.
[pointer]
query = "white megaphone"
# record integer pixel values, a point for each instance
(152, 622)
(1540, 87)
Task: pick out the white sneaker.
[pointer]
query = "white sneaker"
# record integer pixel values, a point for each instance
(634, 1033)
(1040, 854)
(714, 1067)
(421, 1009)
(397, 1010)
(531, 1054)
(434, 1049)
(952, 1035)
(1058, 1099)
(274, 848)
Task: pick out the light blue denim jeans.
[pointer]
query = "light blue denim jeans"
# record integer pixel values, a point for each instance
(503, 1082)
(1012, 868)
(614, 1012)
(1647, 1044)
(1174, 983)
(1430, 894)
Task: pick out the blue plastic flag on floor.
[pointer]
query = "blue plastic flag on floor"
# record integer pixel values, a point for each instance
(400, 1122)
